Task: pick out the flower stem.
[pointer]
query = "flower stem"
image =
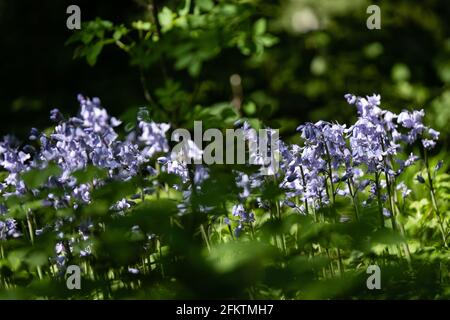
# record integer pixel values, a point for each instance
(353, 195)
(30, 228)
(433, 199)
(380, 206)
(304, 190)
(333, 206)
(205, 237)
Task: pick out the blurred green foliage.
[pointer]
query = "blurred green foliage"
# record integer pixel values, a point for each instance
(275, 60)
(293, 60)
(195, 255)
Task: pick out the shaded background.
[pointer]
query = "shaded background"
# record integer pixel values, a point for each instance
(39, 72)
(324, 50)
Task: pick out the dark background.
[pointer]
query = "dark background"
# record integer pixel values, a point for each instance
(37, 68)
(38, 71)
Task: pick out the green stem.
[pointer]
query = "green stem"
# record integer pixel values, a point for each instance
(392, 201)
(398, 213)
(39, 271)
(205, 237)
(160, 258)
(252, 231)
(281, 235)
(158, 169)
(391, 205)
(380, 206)
(333, 207)
(388, 187)
(229, 227)
(433, 199)
(353, 195)
(331, 262)
(304, 189)
(30, 228)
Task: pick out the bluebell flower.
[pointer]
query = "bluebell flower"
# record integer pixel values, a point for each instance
(238, 210)
(351, 99)
(405, 191)
(153, 135)
(433, 133)
(133, 270)
(121, 205)
(238, 230)
(428, 144)
(244, 217)
(56, 115)
(34, 134)
(438, 165)
(411, 119)
(420, 178)
(9, 229)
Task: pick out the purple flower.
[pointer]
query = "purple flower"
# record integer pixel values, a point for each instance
(438, 165)
(351, 99)
(238, 230)
(420, 178)
(428, 144)
(56, 115)
(34, 134)
(374, 100)
(433, 133)
(403, 189)
(154, 137)
(238, 210)
(411, 119)
(9, 229)
(59, 248)
(244, 217)
(121, 205)
(133, 270)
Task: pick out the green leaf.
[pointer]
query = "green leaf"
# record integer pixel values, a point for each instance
(141, 25)
(166, 17)
(250, 108)
(194, 68)
(37, 177)
(15, 258)
(87, 37)
(93, 52)
(260, 26)
(89, 174)
(268, 40)
(115, 191)
(119, 32)
(400, 72)
(231, 256)
(205, 5)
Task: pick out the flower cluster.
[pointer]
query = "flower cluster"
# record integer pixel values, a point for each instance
(338, 161)
(333, 160)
